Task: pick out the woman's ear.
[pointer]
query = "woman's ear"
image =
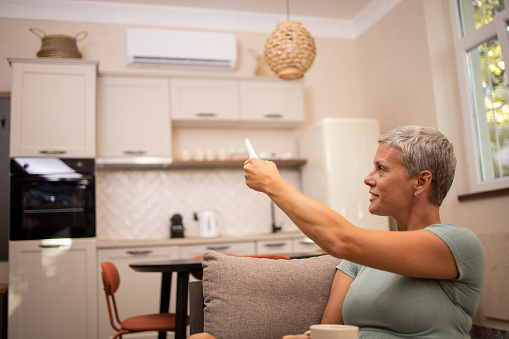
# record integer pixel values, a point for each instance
(423, 181)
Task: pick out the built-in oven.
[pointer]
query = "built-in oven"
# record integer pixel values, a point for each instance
(52, 198)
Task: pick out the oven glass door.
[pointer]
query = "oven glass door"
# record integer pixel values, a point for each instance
(50, 209)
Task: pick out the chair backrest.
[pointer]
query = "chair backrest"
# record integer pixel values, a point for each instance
(110, 276)
(111, 280)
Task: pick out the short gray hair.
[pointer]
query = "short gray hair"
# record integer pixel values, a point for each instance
(424, 148)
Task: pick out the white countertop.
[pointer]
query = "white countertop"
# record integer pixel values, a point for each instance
(110, 243)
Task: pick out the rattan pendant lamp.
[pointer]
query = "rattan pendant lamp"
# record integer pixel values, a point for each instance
(290, 49)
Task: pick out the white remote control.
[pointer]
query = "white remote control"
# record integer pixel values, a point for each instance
(250, 149)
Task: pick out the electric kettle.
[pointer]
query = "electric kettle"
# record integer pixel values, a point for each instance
(210, 223)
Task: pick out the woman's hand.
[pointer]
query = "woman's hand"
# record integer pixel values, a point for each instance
(202, 336)
(299, 336)
(259, 174)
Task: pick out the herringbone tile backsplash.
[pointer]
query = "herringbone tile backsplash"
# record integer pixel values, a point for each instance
(138, 204)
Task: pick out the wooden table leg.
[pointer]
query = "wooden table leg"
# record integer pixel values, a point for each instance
(181, 313)
(164, 305)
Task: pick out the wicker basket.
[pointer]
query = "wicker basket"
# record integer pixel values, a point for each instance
(59, 45)
(290, 50)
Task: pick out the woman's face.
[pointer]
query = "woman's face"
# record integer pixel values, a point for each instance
(391, 192)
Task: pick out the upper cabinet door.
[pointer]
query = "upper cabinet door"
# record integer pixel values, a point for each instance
(133, 117)
(278, 102)
(204, 100)
(53, 108)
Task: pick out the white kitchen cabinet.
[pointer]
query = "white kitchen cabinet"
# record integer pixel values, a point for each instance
(139, 292)
(279, 246)
(53, 289)
(205, 100)
(279, 103)
(304, 245)
(53, 108)
(133, 117)
(237, 248)
(236, 102)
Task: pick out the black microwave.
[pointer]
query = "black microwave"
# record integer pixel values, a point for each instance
(52, 198)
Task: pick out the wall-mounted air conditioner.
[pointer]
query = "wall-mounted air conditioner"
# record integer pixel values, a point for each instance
(183, 48)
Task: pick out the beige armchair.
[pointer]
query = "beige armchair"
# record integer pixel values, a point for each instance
(243, 297)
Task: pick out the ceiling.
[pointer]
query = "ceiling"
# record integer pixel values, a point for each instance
(339, 19)
(334, 9)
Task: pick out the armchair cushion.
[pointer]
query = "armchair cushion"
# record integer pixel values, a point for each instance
(263, 298)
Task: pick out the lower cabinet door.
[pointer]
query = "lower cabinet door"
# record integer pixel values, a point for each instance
(139, 292)
(52, 289)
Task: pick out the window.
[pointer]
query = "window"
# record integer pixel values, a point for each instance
(474, 14)
(483, 49)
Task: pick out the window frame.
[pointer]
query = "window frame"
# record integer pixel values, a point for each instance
(497, 28)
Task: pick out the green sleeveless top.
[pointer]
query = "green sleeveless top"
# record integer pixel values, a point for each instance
(387, 305)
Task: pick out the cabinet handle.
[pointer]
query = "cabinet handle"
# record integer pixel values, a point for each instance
(51, 246)
(139, 252)
(273, 115)
(134, 152)
(217, 248)
(307, 243)
(206, 115)
(277, 244)
(52, 151)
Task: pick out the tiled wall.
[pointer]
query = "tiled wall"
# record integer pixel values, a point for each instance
(137, 204)
(495, 297)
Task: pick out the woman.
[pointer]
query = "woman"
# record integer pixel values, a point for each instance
(423, 281)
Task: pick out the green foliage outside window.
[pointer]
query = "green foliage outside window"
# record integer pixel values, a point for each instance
(489, 88)
(494, 109)
(477, 13)
(485, 11)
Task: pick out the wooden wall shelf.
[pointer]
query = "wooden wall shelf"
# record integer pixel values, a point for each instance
(181, 164)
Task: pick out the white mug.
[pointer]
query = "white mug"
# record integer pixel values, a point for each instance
(325, 331)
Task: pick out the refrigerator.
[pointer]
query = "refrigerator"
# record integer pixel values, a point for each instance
(339, 153)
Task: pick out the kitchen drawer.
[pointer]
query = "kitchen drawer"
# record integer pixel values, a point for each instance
(304, 245)
(283, 246)
(238, 248)
(137, 253)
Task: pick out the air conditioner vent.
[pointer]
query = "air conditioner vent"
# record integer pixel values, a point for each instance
(181, 48)
(181, 61)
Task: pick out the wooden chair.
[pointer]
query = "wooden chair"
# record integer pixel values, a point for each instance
(160, 322)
